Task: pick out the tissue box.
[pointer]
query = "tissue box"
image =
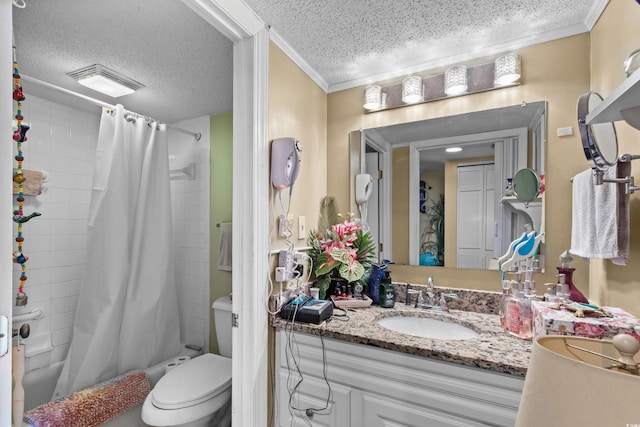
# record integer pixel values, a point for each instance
(549, 321)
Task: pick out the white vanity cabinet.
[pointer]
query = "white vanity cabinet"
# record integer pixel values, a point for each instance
(373, 387)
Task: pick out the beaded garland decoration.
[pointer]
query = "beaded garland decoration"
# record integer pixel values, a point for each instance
(20, 136)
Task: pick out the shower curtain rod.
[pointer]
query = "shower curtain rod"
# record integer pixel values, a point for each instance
(196, 135)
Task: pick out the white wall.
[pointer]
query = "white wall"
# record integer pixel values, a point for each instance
(62, 142)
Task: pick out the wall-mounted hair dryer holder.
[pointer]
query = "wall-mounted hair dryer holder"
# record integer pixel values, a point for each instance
(628, 181)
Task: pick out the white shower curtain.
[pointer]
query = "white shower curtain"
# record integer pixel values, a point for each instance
(127, 315)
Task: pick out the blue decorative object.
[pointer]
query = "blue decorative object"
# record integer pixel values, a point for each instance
(373, 286)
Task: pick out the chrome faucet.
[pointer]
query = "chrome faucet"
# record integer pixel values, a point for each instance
(431, 298)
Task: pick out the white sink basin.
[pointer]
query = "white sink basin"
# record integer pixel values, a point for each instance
(428, 328)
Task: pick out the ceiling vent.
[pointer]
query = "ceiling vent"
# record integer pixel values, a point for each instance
(100, 78)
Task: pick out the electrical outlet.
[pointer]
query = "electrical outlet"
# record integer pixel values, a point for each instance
(285, 224)
(302, 228)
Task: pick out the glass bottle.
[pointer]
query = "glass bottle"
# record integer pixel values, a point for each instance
(508, 191)
(502, 305)
(574, 293)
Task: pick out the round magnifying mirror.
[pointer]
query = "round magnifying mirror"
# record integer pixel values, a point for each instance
(526, 185)
(599, 140)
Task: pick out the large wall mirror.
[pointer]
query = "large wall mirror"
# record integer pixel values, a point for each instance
(459, 209)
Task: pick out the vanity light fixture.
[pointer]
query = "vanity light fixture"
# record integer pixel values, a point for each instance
(455, 80)
(453, 149)
(106, 81)
(372, 98)
(412, 90)
(507, 69)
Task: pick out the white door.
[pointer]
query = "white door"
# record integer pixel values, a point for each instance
(373, 210)
(475, 206)
(6, 225)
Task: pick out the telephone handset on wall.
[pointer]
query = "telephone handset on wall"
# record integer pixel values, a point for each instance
(285, 162)
(364, 187)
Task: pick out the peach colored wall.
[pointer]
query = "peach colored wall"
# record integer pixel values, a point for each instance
(613, 37)
(298, 108)
(557, 72)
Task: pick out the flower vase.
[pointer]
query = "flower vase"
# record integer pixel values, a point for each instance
(574, 293)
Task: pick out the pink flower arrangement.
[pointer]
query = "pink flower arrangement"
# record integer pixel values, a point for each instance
(343, 252)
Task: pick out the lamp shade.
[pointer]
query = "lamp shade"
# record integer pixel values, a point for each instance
(412, 90)
(566, 386)
(372, 97)
(455, 80)
(507, 69)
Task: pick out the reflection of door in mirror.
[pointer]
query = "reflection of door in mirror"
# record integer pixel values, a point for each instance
(372, 167)
(475, 201)
(376, 161)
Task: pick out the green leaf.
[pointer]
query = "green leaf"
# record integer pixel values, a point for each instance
(324, 264)
(351, 272)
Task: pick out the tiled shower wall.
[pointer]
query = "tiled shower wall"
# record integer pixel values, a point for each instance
(190, 202)
(61, 142)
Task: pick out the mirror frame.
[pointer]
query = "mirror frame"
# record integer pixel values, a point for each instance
(537, 125)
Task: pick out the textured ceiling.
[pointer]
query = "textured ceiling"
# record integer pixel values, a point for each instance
(353, 42)
(185, 64)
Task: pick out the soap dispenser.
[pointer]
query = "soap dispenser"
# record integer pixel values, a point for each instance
(518, 314)
(387, 292)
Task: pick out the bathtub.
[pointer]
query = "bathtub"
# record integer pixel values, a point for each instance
(40, 383)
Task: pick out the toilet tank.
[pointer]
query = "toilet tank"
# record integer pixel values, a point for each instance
(222, 315)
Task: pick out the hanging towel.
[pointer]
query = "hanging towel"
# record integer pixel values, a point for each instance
(32, 185)
(596, 231)
(623, 171)
(224, 255)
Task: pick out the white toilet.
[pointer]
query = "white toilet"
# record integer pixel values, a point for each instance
(198, 392)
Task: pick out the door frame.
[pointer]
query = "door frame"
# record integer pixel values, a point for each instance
(6, 188)
(250, 39)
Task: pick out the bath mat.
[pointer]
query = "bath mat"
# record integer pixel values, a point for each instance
(94, 405)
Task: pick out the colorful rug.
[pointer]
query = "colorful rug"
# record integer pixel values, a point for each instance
(93, 406)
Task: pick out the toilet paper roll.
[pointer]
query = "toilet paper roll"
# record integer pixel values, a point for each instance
(169, 366)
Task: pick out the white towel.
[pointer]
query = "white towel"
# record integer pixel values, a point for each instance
(224, 255)
(594, 227)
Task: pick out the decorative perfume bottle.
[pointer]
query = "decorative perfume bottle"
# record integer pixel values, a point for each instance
(574, 293)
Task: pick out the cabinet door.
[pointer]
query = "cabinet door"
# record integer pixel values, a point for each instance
(380, 411)
(296, 397)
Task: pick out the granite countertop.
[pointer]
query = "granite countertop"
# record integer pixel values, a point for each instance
(493, 349)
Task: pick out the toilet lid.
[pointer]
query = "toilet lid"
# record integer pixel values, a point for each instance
(192, 382)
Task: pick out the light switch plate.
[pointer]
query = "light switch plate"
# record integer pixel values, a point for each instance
(302, 228)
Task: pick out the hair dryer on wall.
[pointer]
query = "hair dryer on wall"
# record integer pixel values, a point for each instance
(285, 162)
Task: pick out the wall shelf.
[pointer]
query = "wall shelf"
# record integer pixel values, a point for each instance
(622, 104)
(533, 209)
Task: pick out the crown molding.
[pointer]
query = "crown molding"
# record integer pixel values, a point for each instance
(298, 60)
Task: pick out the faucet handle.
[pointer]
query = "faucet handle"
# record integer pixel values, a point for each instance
(419, 299)
(443, 299)
(411, 292)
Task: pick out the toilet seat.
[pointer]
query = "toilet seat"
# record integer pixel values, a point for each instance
(192, 382)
